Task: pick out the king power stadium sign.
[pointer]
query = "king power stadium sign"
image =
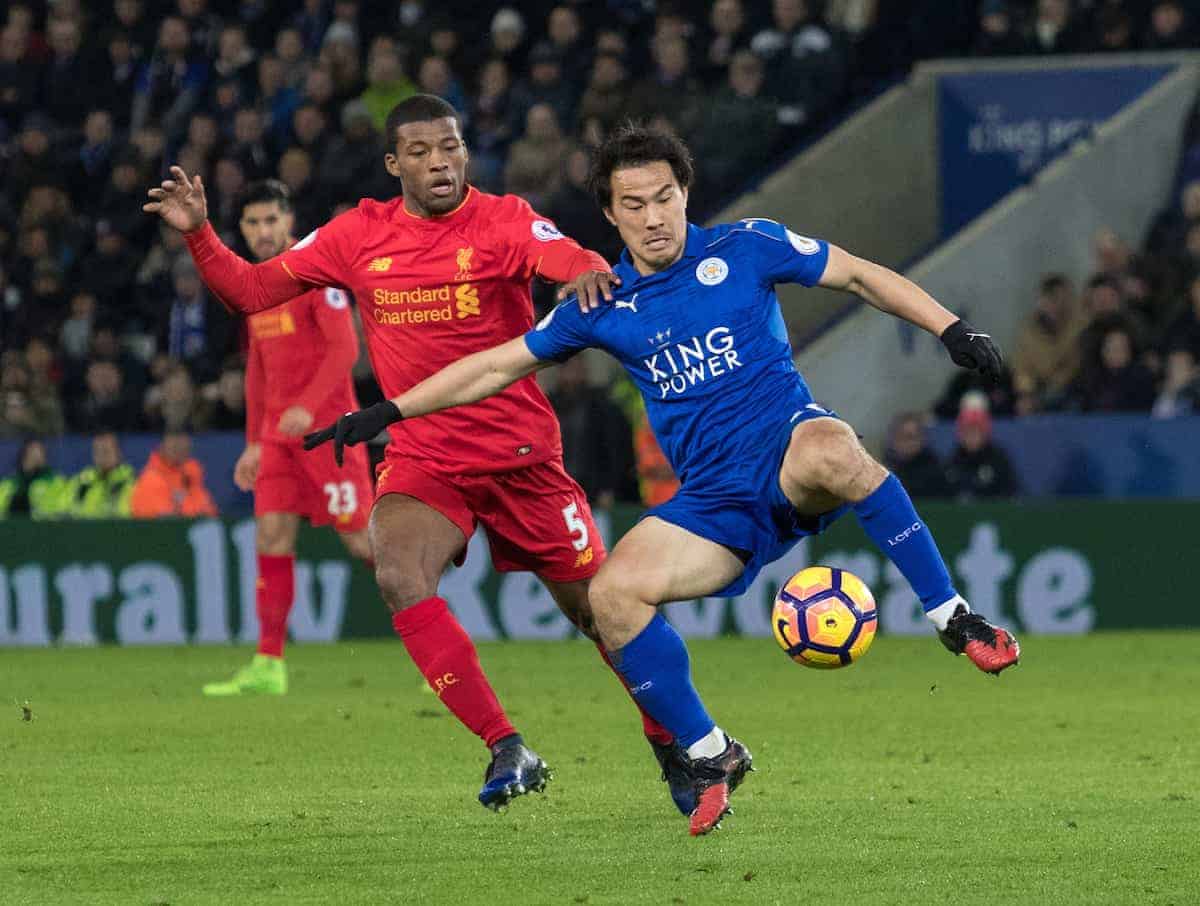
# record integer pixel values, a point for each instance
(1040, 568)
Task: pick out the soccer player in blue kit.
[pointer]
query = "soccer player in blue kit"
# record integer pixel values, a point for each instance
(697, 326)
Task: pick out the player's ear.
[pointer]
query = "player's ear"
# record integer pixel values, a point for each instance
(392, 164)
(608, 215)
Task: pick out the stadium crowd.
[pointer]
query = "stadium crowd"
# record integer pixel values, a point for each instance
(104, 324)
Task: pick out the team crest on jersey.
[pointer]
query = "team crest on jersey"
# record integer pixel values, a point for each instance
(545, 231)
(712, 271)
(803, 244)
(464, 263)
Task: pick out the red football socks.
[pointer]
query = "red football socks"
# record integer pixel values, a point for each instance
(446, 657)
(655, 732)
(273, 600)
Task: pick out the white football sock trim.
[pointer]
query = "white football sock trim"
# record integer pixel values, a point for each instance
(941, 614)
(710, 745)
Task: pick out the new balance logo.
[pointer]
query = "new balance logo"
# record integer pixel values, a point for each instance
(631, 304)
(379, 265)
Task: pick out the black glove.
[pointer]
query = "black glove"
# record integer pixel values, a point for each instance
(355, 428)
(970, 348)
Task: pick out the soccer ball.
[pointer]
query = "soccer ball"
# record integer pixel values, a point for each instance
(824, 617)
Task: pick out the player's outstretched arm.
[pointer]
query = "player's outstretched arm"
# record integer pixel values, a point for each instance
(468, 380)
(895, 294)
(241, 286)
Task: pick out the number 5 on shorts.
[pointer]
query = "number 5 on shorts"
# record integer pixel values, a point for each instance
(576, 526)
(343, 500)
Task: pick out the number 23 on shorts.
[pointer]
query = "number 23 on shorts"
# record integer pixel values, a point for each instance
(343, 499)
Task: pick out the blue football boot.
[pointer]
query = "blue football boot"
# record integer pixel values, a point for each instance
(515, 770)
(677, 774)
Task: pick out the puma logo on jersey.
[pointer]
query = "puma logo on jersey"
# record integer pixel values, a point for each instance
(631, 304)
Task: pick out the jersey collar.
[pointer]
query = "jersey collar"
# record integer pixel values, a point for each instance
(693, 247)
(441, 218)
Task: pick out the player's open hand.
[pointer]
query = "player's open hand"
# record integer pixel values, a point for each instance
(591, 287)
(179, 201)
(245, 472)
(355, 428)
(973, 349)
(295, 421)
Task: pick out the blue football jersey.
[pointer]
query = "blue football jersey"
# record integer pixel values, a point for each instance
(705, 342)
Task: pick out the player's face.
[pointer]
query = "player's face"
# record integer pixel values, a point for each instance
(266, 227)
(431, 163)
(649, 210)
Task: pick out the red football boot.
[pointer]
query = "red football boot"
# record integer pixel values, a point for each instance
(989, 647)
(713, 780)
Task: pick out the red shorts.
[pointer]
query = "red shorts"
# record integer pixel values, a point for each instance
(536, 518)
(313, 486)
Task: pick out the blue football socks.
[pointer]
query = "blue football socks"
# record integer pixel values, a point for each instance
(887, 515)
(657, 671)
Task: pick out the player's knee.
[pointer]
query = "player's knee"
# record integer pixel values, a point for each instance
(611, 594)
(825, 455)
(605, 593)
(272, 541)
(358, 545)
(401, 587)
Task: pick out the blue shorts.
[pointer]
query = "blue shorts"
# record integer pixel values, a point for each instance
(743, 507)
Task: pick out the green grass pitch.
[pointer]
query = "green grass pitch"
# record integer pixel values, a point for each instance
(907, 778)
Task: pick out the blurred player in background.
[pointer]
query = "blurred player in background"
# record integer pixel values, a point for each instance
(297, 374)
(439, 273)
(761, 465)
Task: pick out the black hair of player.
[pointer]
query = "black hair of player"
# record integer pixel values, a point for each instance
(420, 108)
(633, 145)
(264, 191)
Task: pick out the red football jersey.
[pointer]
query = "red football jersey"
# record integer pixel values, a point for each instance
(430, 291)
(300, 354)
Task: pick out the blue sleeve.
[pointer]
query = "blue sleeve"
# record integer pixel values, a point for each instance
(561, 334)
(782, 256)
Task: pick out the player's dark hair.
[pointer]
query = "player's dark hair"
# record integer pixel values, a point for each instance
(633, 145)
(263, 191)
(420, 108)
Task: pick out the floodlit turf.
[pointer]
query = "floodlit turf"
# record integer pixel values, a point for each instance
(907, 778)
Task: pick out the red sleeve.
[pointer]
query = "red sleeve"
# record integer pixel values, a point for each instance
(316, 260)
(331, 310)
(542, 251)
(239, 285)
(254, 393)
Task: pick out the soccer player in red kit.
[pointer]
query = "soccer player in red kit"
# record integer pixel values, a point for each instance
(297, 374)
(440, 273)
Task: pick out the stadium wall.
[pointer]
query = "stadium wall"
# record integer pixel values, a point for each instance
(869, 366)
(845, 189)
(1041, 568)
